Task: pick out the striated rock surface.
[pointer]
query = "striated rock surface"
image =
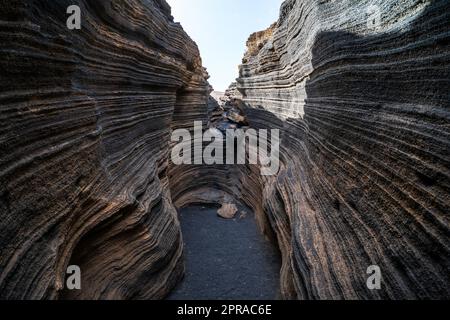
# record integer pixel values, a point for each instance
(85, 118)
(364, 113)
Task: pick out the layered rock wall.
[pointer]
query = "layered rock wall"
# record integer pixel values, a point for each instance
(362, 102)
(86, 117)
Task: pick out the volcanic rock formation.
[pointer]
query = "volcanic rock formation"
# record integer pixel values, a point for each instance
(86, 117)
(364, 113)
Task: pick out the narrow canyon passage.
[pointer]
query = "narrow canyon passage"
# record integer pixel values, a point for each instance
(226, 259)
(356, 93)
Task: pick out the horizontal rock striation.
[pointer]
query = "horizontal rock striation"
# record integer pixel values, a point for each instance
(361, 100)
(86, 117)
(364, 112)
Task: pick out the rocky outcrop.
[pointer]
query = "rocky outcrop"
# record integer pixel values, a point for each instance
(362, 102)
(86, 117)
(255, 43)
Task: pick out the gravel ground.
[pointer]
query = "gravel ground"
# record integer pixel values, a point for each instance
(226, 259)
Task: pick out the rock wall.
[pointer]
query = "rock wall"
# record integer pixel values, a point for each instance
(364, 114)
(86, 117)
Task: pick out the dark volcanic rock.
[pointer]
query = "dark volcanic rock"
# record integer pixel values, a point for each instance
(364, 113)
(84, 144)
(85, 124)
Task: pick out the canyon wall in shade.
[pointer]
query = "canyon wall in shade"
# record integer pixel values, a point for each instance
(364, 114)
(86, 117)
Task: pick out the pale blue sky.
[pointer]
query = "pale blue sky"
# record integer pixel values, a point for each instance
(221, 28)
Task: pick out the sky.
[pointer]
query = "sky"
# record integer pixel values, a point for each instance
(221, 28)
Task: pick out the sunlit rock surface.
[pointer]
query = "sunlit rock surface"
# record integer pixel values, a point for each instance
(364, 114)
(86, 118)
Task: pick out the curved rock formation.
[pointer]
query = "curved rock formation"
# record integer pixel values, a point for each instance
(364, 111)
(84, 144)
(86, 117)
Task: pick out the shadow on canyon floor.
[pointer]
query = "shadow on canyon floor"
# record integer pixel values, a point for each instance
(226, 259)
